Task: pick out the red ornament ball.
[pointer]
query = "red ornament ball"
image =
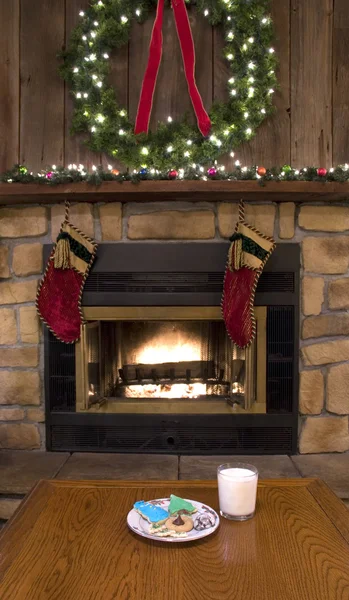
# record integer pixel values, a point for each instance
(322, 172)
(115, 172)
(173, 174)
(212, 172)
(261, 171)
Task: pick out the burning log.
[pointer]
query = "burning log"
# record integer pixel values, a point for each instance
(197, 369)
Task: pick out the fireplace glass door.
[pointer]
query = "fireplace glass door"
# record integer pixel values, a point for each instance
(169, 360)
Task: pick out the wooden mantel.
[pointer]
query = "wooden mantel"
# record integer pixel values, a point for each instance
(147, 191)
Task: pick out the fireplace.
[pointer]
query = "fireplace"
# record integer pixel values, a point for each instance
(154, 370)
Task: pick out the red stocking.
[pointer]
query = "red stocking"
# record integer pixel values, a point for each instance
(59, 296)
(248, 253)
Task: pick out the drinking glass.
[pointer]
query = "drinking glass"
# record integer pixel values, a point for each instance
(237, 489)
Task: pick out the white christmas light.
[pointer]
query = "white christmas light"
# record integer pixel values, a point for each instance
(251, 40)
(296, 172)
(331, 170)
(250, 91)
(189, 142)
(201, 169)
(232, 154)
(85, 95)
(206, 12)
(194, 165)
(218, 143)
(105, 55)
(305, 169)
(271, 72)
(244, 47)
(123, 19)
(95, 23)
(251, 79)
(100, 3)
(187, 153)
(93, 34)
(9, 180)
(145, 151)
(282, 173)
(78, 95)
(94, 76)
(271, 91)
(100, 118)
(81, 13)
(237, 163)
(246, 114)
(152, 171)
(169, 119)
(228, 18)
(264, 21)
(76, 69)
(230, 56)
(138, 12)
(54, 167)
(258, 176)
(226, 132)
(93, 57)
(271, 50)
(169, 149)
(84, 38)
(230, 35)
(248, 130)
(181, 173)
(263, 111)
(233, 92)
(93, 129)
(244, 169)
(346, 167)
(251, 65)
(99, 84)
(94, 168)
(231, 80)
(87, 59)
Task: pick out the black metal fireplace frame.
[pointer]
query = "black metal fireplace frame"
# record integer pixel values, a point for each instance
(67, 430)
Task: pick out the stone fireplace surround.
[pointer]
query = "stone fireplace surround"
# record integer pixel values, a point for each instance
(321, 229)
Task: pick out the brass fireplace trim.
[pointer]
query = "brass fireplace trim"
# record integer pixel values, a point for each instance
(166, 313)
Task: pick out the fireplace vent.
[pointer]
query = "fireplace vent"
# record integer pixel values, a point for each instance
(189, 440)
(166, 282)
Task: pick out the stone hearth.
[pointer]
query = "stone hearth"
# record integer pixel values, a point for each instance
(322, 230)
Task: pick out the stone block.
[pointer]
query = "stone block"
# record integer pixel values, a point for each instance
(172, 224)
(17, 292)
(261, 216)
(332, 468)
(36, 414)
(23, 222)
(8, 327)
(337, 390)
(19, 471)
(325, 353)
(287, 220)
(110, 216)
(19, 387)
(312, 295)
(4, 266)
(29, 325)
(324, 434)
(338, 293)
(205, 467)
(325, 325)
(27, 259)
(326, 254)
(19, 357)
(324, 218)
(81, 215)
(120, 466)
(11, 414)
(311, 392)
(7, 507)
(19, 436)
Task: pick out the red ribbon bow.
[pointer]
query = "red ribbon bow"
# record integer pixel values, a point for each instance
(155, 52)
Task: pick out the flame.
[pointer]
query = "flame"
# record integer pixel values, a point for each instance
(175, 390)
(151, 355)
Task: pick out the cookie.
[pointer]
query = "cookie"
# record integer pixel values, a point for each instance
(180, 523)
(163, 531)
(153, 514)
(178, 506)
(204, 521)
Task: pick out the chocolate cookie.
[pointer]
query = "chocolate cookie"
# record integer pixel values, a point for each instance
(180, 523)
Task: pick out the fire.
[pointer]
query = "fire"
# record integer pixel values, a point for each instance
(176, 390)
(151, 355)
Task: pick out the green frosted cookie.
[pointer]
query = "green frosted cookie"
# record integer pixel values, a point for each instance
(178, 506)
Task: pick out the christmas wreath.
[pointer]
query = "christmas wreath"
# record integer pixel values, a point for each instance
(248, 32)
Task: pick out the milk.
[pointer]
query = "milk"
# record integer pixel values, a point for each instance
(237, 488)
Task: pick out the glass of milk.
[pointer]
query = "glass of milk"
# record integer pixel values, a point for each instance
(237, 489)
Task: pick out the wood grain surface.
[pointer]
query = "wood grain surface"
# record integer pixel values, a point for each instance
(70, 540)
(9, 87)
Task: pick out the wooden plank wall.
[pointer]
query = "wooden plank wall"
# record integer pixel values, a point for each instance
(310, 126)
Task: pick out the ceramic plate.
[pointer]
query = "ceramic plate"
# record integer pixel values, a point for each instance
(141, 526)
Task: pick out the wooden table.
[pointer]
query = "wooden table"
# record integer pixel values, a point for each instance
(70, 541)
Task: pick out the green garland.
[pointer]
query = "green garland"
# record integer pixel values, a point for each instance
(248, 32)
(75, 174)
